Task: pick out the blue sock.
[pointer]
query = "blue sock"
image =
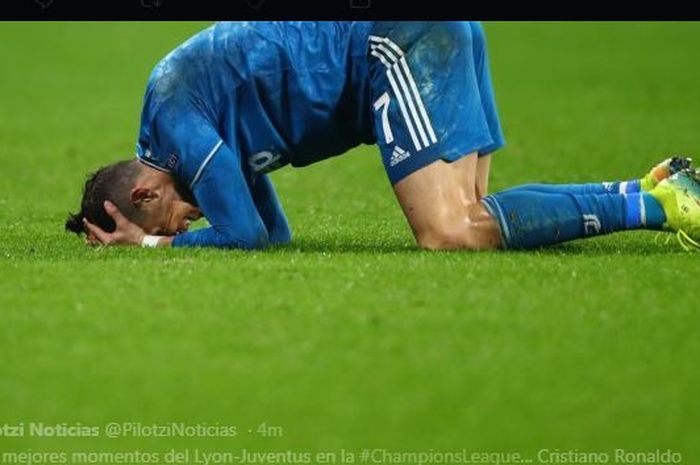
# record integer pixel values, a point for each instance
(530, 219)
(617, 187)
(654, 215)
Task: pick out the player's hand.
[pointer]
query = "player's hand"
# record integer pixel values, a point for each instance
(126, 232)
(90, 238)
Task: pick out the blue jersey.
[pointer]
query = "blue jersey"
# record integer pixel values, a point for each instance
(238, 100)
(276, 93)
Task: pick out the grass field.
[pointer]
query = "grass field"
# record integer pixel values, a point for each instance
(351, 337)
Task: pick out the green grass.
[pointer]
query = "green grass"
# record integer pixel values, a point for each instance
(350, 337)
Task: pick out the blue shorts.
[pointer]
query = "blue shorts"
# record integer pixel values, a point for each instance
(431, 93)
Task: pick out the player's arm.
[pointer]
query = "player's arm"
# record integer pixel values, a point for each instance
(225, 199)
(182, 140)
(270, 210)
(229, 226)
(212, 172)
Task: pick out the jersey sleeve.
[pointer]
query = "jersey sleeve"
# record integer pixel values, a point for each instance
(178, 139)
(270, 210)
(181, 141)
(222, 194)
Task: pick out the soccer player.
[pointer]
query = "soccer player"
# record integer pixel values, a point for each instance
(239, 100)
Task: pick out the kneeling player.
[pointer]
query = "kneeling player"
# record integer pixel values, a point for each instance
(239, 100)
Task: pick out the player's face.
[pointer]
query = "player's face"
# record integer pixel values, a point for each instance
(169, 213)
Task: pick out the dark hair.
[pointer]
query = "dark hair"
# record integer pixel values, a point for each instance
(113, 183)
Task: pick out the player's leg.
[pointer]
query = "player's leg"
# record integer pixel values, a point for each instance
(483, 170)
(571, 213)
(658, 173)
(473, 174)
(441, 212)
(433, 177)
(422, 77)
(488, 104)
(442, 217)
(463, 172)
(487, 95)
(530, 219)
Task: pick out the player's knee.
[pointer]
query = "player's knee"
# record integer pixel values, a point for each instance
(450, 236)
(433, 239)
(280, 235)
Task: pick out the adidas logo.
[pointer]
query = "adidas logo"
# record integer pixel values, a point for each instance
(398, 155)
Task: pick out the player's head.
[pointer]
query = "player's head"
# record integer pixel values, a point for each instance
(146, 196)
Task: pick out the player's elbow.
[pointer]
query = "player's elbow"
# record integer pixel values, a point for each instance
(281, 235)
(281, 239)
(254, 242)
(248, 239)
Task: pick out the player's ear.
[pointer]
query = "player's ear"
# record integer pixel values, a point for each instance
(142, 195)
